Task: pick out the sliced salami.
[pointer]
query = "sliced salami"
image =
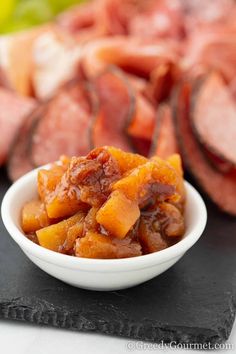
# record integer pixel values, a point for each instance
(221, 188)
(64, 127)
(116, 107)
(164, 141)
(14, 109)
(214, 117)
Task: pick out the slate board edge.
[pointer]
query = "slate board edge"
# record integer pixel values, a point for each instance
(17, 309)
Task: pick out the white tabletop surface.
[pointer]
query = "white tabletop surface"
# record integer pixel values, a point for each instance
(22, 338)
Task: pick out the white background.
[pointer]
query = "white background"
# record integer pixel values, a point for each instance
(21, 338)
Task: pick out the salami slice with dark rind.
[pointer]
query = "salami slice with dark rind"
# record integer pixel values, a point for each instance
(221, 188)
(214, 117)
(164, 142)
(116, 106)
(64, 127)
(19, 161)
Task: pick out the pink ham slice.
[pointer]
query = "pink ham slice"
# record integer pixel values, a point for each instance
(56, 58)
(116, 108)
(147, 19)
(221, 188)
(19, 161)
(84, 22)
(158, 19)
(78, 17)
(162, 80)
(63, 128)
(164, 141)
(142, 123)
(214, 117)
(13, 110)
(212, 47)
(216, 162)
(133, 55)
(16, 58)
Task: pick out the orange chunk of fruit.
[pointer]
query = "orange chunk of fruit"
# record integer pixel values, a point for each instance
(95, 245)
(54, 236)
(118, 214)
(140, 182)
(34, 216)
(126, 160)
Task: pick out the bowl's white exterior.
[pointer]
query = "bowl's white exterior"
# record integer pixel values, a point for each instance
(99, 274)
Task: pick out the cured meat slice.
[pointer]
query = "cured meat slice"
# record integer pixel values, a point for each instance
(221, 188)
(162, 80)
(19, 161)
(159, 19)
(147, 19)
(206, 11)
(164, 141)
(219, 164)
(142, 122)
(212, 46)
(117, 15)
(16, 58)
(131, 54)
(56, 59)
(78, 17)
(214, 117)
(141, 146)
(63, 129)
(13, 109)
(116, 107)
(85, 21)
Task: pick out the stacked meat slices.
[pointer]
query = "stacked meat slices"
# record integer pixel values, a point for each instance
(156, 77)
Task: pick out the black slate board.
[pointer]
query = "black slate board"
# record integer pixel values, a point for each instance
(192, 302)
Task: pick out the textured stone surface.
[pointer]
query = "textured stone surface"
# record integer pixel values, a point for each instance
(192, 302)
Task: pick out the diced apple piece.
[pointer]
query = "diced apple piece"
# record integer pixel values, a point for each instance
(54, 236)
(118, 214)
(95, 245)
(73, 233)
(34, 216)
(48, 180)
(126, 160)
(140, 182)
(58, 208)
(175, 161)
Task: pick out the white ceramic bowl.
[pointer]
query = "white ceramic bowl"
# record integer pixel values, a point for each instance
(99, 274)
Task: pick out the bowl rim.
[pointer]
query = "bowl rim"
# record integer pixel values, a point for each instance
(106, 265)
